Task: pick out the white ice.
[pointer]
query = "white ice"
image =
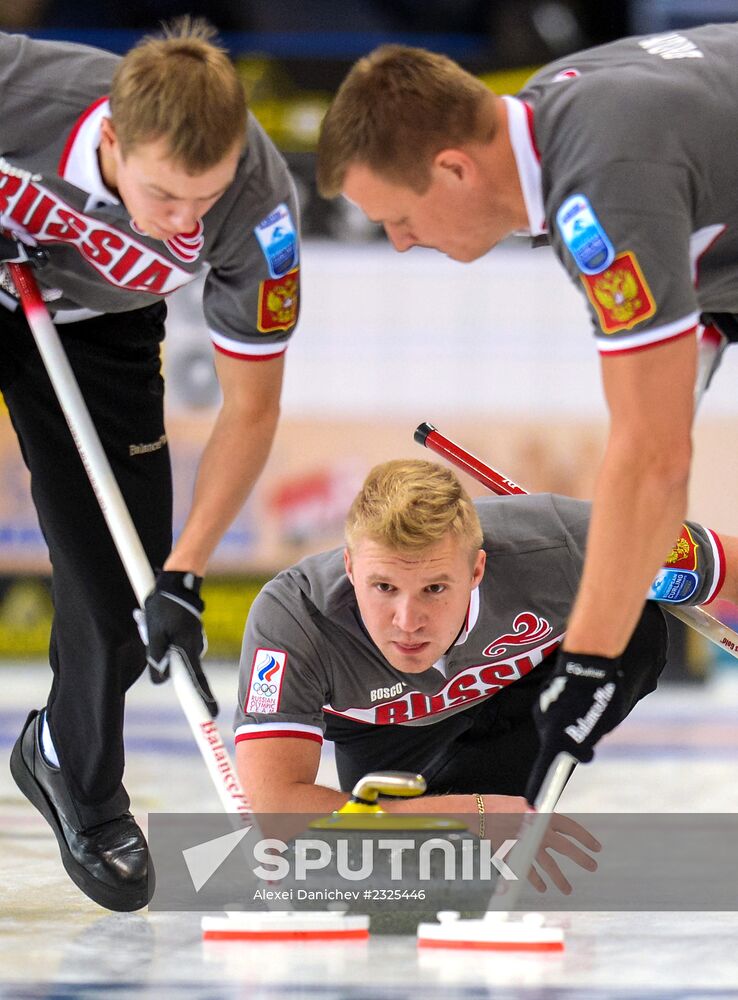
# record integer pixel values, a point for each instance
(677, 753)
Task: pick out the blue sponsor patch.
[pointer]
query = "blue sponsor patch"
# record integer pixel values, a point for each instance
(672, 586)
(277, 238)
(584, 236)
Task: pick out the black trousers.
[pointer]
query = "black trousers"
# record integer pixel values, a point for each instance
(491, 747)
(95, 650)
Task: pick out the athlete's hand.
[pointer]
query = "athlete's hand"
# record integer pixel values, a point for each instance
(564, 836)
(172, 620)
(569, 839)
(574, 711)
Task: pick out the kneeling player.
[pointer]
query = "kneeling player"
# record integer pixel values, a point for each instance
(424, 645)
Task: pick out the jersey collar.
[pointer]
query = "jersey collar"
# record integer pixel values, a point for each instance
(79, 164)
(472, 613)
(470, 621)
(528, 161)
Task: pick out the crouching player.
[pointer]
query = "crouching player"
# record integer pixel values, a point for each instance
(424, 645)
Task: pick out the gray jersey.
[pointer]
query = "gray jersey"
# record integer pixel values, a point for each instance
(631, 162)
(307, 656)
(53, 101)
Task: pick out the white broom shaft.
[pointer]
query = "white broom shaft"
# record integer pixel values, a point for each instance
(533, 829)
(208, 739)
(87, 441)
(122, 529)
(711, 628)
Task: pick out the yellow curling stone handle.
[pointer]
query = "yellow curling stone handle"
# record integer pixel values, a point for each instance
(363, 812)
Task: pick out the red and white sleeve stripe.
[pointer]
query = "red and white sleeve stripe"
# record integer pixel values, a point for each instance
(246, 352)
(649, 338)
(718, 556)
(267, 730)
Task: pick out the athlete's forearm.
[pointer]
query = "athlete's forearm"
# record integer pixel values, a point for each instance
(639, 504)
(277, 797)
(303, 797)
(457, 805)
(234, 456)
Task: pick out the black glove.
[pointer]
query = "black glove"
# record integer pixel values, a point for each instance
(172, 619)
(580, 703)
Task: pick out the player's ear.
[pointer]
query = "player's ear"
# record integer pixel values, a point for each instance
(480, 562)
(454, 164)
(347, 564)
(107, 133)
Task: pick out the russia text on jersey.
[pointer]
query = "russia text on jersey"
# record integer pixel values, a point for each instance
(117, 257)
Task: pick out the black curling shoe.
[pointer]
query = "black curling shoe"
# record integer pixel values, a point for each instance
(110, 862)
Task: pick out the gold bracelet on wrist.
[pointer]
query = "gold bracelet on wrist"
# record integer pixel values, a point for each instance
(480, 810)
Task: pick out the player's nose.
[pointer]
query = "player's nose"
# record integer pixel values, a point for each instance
(184, 219)
(408, 616)
(400, 238)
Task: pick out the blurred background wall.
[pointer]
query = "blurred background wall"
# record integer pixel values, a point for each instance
(497, 354)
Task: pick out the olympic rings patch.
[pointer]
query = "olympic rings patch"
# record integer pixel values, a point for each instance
(264, 688)
(265, 683)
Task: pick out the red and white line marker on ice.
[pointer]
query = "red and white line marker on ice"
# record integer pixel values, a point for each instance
(287, 926)
(494, 932)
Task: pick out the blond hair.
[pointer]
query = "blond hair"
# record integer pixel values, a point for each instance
(409, 504)
(181, 87)
(397, 108)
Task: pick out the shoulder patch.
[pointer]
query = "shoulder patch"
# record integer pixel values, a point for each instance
(684, 553)
(673, 586)
(620, 295)
(265, 682)
(278, 303)
(584, 235)
(277, 236)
